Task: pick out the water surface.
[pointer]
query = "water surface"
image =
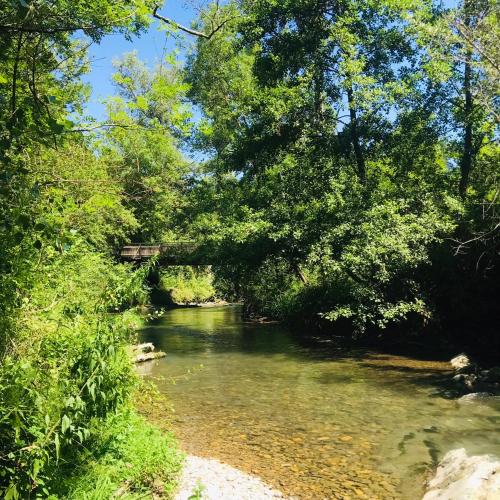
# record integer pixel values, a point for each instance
(316, 421)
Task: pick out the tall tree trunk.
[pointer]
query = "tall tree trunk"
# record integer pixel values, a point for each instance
(319, 100)
(299, 273)
(467, 152)
(353, 129)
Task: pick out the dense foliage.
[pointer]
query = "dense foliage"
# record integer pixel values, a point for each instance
(65, 209)
(352, 154)
(350, 179)
(188, 284)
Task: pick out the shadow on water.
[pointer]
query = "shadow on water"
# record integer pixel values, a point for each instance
(315, 419)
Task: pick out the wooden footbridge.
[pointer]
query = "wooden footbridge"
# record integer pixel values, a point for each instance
(175, 253)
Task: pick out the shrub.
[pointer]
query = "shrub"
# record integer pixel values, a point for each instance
(187, 284)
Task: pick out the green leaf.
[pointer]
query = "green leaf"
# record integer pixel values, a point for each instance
(58, 445)
(92, 391)
(23, 220)
(57, 128)
(11, 492)
(36, 468)
(66, 422)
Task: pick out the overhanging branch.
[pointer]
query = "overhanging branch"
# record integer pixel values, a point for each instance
(187, 30)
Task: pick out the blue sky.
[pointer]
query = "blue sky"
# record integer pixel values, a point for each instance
(150, 47)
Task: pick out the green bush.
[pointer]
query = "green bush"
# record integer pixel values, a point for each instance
(188, 284)
(129, 456)
(50, 403)
(65, 370)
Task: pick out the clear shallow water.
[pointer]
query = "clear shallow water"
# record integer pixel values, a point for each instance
(315, 421)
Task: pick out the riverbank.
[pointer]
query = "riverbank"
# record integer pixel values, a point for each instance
(213, 480)
(131, 459)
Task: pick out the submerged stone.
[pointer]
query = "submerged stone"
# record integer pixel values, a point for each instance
(476, 396)
(149, 356)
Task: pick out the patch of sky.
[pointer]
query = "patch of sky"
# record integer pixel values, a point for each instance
(151, 46)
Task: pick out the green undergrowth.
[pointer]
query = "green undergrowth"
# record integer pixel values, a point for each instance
(187, 284)
(130, 459)
(66, 380)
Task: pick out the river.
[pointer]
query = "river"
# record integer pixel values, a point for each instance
(314, 420)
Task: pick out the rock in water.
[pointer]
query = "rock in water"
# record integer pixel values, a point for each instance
(491, 375)
(476, 396)
(148, 356)
(461, 362)
(146, 347)
(460, 477)
(145, 352)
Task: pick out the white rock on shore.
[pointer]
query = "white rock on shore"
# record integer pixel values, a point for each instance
(221, 482)
(460, 477)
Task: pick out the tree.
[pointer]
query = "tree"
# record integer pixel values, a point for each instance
(151, 120)
(328, 148)
(41, 61)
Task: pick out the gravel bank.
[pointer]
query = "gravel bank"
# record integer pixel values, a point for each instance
(221, 482)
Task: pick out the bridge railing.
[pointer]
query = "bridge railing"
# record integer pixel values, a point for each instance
(139, 251)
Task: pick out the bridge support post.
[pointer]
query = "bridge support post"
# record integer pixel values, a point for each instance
(153, 277)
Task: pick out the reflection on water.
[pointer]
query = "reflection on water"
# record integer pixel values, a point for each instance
(316, 422)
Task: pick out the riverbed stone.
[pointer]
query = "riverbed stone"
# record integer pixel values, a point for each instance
(491, 375)
(149, 356)
(144, 347)
(467, 380)
(460, 477)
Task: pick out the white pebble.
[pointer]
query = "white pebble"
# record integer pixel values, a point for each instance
(218, 482)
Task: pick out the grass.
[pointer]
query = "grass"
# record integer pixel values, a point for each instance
(132, 459)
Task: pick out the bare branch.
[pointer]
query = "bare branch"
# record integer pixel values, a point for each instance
(190, 31)
(463, 32)
(106, 126)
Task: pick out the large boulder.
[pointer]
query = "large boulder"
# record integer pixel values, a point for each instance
(460, 477)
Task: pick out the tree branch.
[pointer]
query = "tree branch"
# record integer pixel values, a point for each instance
(50, 30)
(462, 30)
(105, 125)
(187, 30)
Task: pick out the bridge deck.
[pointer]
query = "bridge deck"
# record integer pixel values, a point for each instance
(179, 251)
